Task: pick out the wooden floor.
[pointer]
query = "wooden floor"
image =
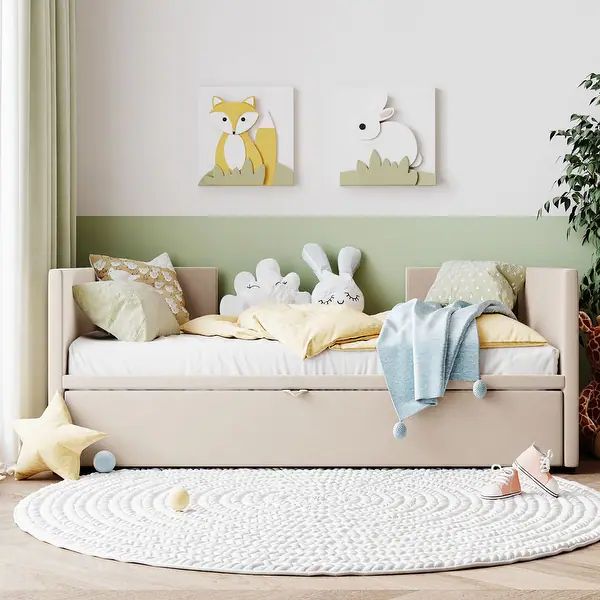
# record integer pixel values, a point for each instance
(32, 570)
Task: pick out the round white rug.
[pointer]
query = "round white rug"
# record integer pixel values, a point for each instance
(309, 521)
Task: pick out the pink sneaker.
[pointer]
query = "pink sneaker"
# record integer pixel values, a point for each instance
(504, 485)
(535, 466)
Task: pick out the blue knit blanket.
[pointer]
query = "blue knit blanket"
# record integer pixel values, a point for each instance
(423, 345)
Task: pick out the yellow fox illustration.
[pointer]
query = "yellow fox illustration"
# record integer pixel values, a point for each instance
(236, 145)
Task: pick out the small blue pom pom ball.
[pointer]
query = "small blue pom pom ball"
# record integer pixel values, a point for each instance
(399, 430)
(104, 461)
(479, 389)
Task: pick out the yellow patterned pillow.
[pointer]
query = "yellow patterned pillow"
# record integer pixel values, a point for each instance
(499, 331)
(162, 279)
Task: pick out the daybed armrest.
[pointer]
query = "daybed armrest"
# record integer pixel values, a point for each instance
(65, 320)
(549, 304)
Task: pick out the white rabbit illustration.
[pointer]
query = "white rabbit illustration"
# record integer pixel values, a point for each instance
(371, 130)
(267, 286)
(335, 289)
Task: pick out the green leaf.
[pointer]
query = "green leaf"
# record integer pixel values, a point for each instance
(374, 160)
(579, 188)
(404, 165)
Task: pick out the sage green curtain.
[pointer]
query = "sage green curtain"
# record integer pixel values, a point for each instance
(52, 129)
(38, 194)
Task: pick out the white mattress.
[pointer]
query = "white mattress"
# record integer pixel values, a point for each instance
(191, 355)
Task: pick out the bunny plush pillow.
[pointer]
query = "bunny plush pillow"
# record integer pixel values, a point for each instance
(267, 286)
(335, 289)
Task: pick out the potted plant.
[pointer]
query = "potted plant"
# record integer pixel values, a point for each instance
(580, 183)
(580, 199)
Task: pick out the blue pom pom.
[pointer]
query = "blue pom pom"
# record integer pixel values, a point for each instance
(399, 430)
(479, 389)
(104, 461)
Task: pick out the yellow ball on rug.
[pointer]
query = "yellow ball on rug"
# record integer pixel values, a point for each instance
(178, 498)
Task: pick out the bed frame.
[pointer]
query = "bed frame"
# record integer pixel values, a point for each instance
(321, 420)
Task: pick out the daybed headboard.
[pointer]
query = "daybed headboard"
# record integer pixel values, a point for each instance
(549, 304)
(66, 322)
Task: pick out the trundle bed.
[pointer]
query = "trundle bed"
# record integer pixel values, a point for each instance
(194, 401)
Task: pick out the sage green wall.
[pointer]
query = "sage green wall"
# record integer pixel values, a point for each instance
(389, 244)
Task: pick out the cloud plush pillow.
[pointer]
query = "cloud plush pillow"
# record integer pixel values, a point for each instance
(476, 281)
(268, 287)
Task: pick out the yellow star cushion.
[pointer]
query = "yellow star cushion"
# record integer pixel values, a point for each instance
(52, 442)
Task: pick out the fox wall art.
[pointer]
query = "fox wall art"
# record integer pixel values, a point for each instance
(246, 136)
(386, 138)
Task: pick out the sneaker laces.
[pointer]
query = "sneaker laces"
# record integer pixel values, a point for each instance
(545, 461)
(501, 474)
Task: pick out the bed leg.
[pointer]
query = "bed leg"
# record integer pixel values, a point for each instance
(566, 470)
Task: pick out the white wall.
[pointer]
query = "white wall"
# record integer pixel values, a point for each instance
(505, 72)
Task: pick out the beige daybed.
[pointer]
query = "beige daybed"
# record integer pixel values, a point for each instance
(313, 419)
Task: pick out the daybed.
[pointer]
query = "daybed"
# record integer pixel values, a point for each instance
(193, 401)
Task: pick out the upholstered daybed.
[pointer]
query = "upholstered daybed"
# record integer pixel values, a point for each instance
(212, 402)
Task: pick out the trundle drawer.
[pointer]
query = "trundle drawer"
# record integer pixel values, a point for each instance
(314, 428)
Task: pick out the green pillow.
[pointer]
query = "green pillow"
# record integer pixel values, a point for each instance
(476, 281)
(514, 274)
(131, 311)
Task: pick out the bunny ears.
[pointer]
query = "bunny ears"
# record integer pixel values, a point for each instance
(315, 257)
(332, 289)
